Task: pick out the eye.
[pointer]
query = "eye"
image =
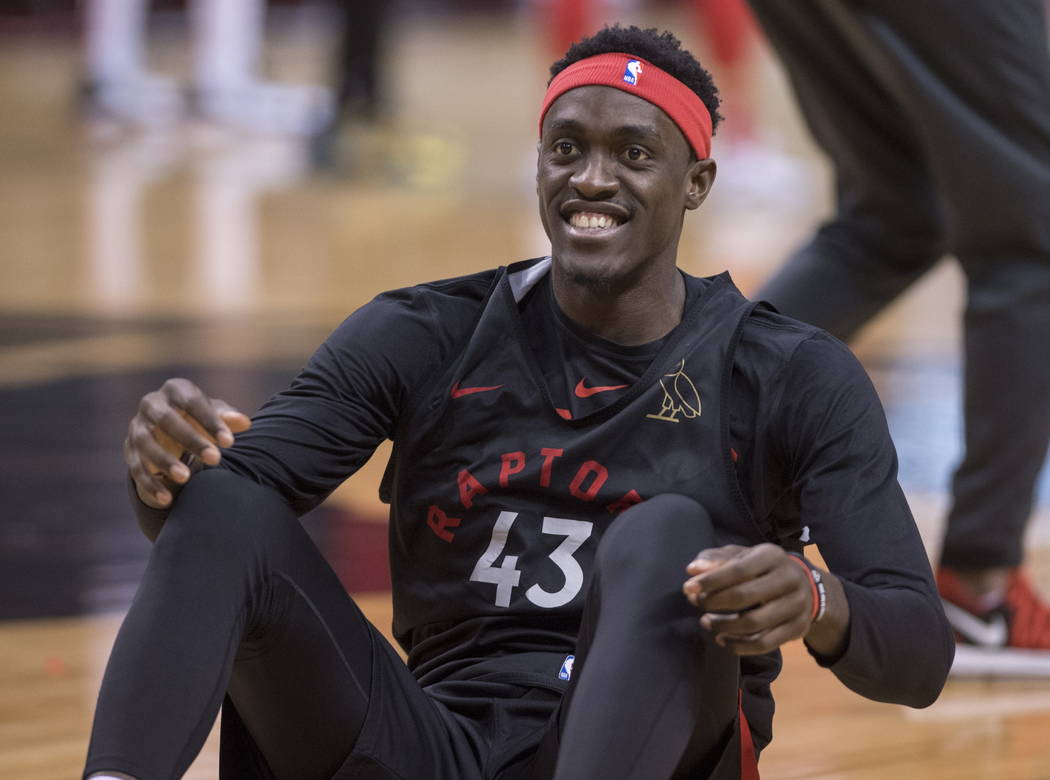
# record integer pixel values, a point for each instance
(636, 154)
(564, 148)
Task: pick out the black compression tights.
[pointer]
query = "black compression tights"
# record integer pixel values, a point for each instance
(232, 576)
(237, 599)
(653, 695)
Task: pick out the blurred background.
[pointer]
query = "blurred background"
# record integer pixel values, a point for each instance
(206, 188)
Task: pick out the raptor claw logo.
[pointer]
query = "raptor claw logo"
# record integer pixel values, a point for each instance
(680, 397)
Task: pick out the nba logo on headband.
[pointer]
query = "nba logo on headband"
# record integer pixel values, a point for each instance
(623, 71)
(632, 71)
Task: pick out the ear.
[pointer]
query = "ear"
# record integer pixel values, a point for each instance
(539, 196)
(700, 179)
(539, 154)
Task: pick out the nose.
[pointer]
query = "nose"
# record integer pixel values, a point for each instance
(595, 178)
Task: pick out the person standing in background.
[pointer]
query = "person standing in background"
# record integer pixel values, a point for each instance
(354, 138)
(936, 119)
(224, 83)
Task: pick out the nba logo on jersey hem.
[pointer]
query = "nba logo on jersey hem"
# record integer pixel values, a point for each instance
(566, 668)
(632, 72)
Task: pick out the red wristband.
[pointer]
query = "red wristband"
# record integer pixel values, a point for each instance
(816, 583)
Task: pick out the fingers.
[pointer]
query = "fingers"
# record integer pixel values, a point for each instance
(723, 567)
(749, 593)
(196, 422)
(714, 557)
(174, 431)
(176, 419)
(762, 640)
(706, 561)
(202, 425)
(150, 483)
(236, 421)
(753, 598)
(762, 628)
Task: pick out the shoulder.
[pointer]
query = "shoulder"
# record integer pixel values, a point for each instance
(770, 342)
(459, 294)
(430, 313)
(470, 288)
(802, 382)
(807, 401)
(773, 346)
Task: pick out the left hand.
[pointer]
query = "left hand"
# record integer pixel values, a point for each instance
(753, 599)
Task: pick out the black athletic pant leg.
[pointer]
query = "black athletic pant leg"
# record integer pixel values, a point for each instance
(886, 230)
(1006, 406)
(936, 117)
(652, 696)
(359, 90)
(236, 597)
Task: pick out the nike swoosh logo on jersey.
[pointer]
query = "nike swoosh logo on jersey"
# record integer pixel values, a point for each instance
(459, 392)
(582, 391)
(985, 633)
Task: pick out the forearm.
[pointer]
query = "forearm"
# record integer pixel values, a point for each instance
(898, 646)
(885, 636)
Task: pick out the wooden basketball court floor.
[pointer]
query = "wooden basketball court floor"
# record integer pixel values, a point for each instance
(126, 257)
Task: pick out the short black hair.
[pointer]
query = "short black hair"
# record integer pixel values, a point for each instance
(662, 49)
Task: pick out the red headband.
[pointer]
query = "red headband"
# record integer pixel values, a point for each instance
(638, 77)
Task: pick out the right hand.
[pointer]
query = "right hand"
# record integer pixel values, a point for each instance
(176, 419)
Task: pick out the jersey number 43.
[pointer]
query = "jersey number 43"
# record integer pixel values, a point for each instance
(506, 576)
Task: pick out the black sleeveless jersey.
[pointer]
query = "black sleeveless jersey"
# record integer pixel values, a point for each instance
(499, 496)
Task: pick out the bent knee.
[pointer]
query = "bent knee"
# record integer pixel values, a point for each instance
(219, 507)
(662, 534)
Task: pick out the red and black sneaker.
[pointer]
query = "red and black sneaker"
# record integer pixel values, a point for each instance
(999, 635)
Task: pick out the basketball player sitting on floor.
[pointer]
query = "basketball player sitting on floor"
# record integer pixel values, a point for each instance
(604, 472)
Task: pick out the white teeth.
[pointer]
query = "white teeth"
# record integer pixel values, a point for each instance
(593, 221)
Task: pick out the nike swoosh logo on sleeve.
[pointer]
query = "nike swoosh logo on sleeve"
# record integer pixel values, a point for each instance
(582, 391)
(459, 392)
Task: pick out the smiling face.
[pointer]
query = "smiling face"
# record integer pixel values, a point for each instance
(614, 178)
